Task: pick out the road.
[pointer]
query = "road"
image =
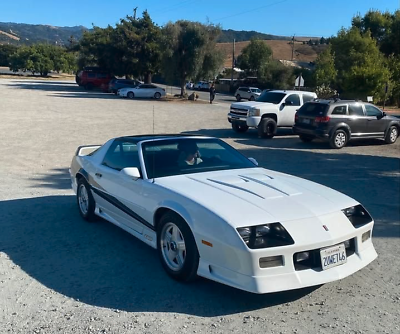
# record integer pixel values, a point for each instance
(59, 274)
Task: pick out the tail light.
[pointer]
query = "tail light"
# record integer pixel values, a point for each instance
(322, 119)
(296, 117)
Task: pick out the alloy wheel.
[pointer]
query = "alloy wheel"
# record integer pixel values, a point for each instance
(173, 246)
(340, 139)
(83, 199)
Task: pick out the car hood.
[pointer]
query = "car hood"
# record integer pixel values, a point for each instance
(248, 105)
(252, 196)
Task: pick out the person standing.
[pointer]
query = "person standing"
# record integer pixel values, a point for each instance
(212, 93)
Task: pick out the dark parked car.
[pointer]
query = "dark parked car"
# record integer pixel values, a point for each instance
(339, 121)
(116, 84)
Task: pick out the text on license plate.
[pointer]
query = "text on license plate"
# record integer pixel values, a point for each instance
(306, 121)
(333, 256)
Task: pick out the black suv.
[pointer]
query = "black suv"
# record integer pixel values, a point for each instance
(339, 121)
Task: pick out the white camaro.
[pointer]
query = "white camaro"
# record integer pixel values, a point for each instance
(143, 90)
(210, 211)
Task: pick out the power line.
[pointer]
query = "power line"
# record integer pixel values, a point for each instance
(251, 10)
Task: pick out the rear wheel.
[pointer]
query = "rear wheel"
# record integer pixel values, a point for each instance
(251, 98)
(392, 135)
(306, 138)
(339, 139)
(177, 248)
(239, 128)
(267, 128)
(238, 98)
(130, 95)
(85, 200)
(157, 95)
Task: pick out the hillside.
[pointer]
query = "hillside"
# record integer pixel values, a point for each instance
(20, 33)
(282, 50)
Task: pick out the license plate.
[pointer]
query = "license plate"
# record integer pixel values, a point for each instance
(333, 256)
(306, 121)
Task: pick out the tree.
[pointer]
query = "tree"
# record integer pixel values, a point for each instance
(361, 66)
(325, 71)
(5, 52)
(190, 51)
(394, 66)
(255, 57)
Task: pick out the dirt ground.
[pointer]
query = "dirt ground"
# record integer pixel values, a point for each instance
(59, 274)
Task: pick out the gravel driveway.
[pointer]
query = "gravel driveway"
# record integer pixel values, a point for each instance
(59, 274)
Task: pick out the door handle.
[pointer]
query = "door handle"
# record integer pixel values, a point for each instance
(98, 175)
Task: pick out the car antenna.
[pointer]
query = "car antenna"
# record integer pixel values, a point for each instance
(154, 165)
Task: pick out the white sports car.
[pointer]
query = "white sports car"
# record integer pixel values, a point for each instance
(210, 211)
(143, 90)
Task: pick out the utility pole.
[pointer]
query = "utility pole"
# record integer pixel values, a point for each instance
(292, 46)
(233, 61)
(134, 12)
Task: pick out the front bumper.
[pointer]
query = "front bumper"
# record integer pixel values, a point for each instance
(289, 276)
(251, 122)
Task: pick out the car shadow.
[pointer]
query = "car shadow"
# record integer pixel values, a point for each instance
(102, 265)
(48, 86)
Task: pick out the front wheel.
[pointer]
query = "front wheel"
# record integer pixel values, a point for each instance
(339, 139)
(177, 248)
(267, 128)
(85, 200)
(157, 95)
(130, 95)
(239, 128)
(251, 98)
(392, 135)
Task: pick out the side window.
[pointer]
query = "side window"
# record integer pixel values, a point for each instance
(372, 111)
(355, 110)
(121, 155)
(307, 98)
(91, 75)
(340, 110)
(294, 98)
(101, 75)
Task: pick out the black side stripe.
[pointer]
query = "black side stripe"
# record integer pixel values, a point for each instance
(123, 208)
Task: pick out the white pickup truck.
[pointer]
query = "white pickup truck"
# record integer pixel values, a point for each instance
(273, 109)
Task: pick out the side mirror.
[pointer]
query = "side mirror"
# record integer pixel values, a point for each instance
(381, 115)
(254, 161)
(131, 173)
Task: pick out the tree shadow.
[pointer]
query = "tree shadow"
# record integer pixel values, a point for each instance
(47, 86)
(57, 178)
(102, 265)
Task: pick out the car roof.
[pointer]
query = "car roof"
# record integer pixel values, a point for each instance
(290, 91)
(149, 137)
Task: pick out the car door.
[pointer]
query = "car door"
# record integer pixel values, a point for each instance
(376, 124)
(119, 196)
(288, 110)
(357, 120)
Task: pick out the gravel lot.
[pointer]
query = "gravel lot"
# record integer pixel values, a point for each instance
(59, 274)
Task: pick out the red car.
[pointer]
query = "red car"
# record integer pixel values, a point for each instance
(90, 79)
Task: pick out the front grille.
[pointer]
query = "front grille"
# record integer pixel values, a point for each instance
(239, 112)
(314, 261)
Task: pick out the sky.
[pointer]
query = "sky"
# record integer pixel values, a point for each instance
(277, 17)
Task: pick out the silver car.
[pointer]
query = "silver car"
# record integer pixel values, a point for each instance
(248, 93)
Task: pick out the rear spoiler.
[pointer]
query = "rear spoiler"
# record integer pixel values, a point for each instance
(86, 149)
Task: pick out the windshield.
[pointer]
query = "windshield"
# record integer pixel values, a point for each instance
(271, 97)
(313, 109)
(255, 90)
(190, 155)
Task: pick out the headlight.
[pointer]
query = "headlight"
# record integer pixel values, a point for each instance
(357, 215)
(254, 112)
(265, 236)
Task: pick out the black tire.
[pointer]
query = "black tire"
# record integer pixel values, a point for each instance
(239, 128)
(251, 98)
(267, 128)
(238, 98)
(339, 139)
(91, 205)
(306, 138)
(130, 95)
(392, 135)
(89, 86)
(157, 95)
(188, 271)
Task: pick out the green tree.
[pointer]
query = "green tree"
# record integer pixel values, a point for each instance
(361, 66)
(5, 52)
(394, 66)
(189, 51)
(255, 57)
(325, 71)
